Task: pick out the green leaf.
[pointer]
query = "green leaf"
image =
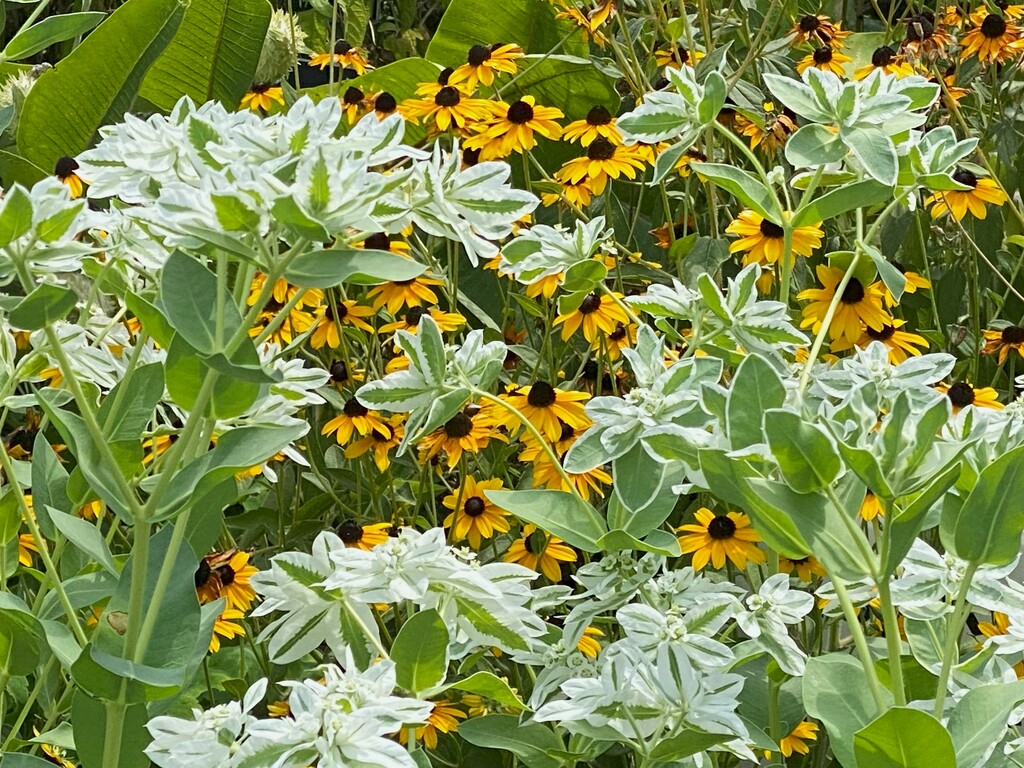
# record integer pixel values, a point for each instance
(744, 186)
(807, 455)
(584, 276)
(904, 738)
(357, 17)
(420, 652)
(85, 536)
(859, 194)
(715, 89)
(490, 686)
(756, 388)
(986, 529)
(660, 542)
(47, 304)
(44, 33)
(135, 404)
(189, 299)
(813, 146)
(89, 718)
(836, 692)
(15, 215)
(22, 640)
(572, 84)
(213, 54)
(875, 151)
(532, 743)
(686, 743)
(49, 484)
(95, 84)
(643, 496)
(906, 524)
(10, 516)
(326, 269)
(894, 280)
(152, 319)
(186, 371)
(561, 514)
(485, 624)
(978, 721)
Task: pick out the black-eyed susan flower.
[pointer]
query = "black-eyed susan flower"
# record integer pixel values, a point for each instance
(887, 60)
(763, 240)
(953, 16)
(796, 740)
(1003, 341)
(408, 293)
(858, 306)
(383, 104)
(713, 538)
(483, 62)
(923, 38)
(772, 133)
(345, 54)
(379, 442)
(983, 191)
(914, 283)
(473, 517)
(226, 625)
(278, 709)
(92, 510)
(26, 546)
(514, 128)
(676, 56)
(352, 104)
(443, 718)
(871, 507)
(546, 474)
(296, 323)
(66, 172)
(577, 193)
(364, 537)
(590, 24)
(599, 123)
(597, 313)
(410, 322)
(902, 344)
(806, 568)
(56, 755)
(539, 551)
(447, 108)
(328, 327)
(383, 241)
(603, 161)
(825, 58)
(343, 373)
(284, 292)
(355, 418)
(992, 38)
(261, 96)
(961, 394)
(589, 644)
(546, 408)
(466, 432)
(234, 576)
(816, 29)
(612, 344)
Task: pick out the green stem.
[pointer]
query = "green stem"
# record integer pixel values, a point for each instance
(951, 651)
(860, 642)
(893, 643)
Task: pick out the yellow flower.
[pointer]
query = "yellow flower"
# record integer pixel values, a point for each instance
(261, 96)
(915, 282)
(382, 241)
(588, 643)
(993, 39)
(772, 134)
(26, 546)
(55, 754)
(513, 128)
(952, 16)
(858, 306)
(596, 313)
(923, 38)
(590, 24)
(328, 327)
(901, 344)
(887, 60)
(364, 537)
(959, 202)
(1002, 340)
(475, 705)
(577, 193)
(443, 718)
(380, 441)
(483, 62)
(816, 30)
(410, 293)
(826, 58)
(234, 577)
(546, 408)
(355, 418)
(613, 343)
(473, 516)
(807, 568)
(65, 171)
(537, 550)
(546, 474)
(446, 321)
(353, 104)
(599, 123)
(796, 740)
(676, 56)
(764, 241)
(465, 432)
(448, 107)
(279, 709)
(603, 161)
(871, 507)
(962, 394)
(345, 54)
(717, 537)
(226, 626)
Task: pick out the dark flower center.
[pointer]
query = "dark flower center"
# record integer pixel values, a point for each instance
(349, 73)
(961, 394)
(458, 425)
(226, 574)
(568, 433)
(965, 177)
(591, 303)
(65, 167)
(822, 55)
(722, 527)
(470, 157)
(1013, 334)
(385, 103)
(542, 395)
(260, 87)
(854, 292)
(474, 506)
(381, 435)
(535, 543)
(520, 113)
(771, 229)
(601, 149)
(883, 335)
(882, 57)
(342, 47)
(447, 97)
(920, 28)
(350, 531)
(342, 312)
(339, 371)
(993, 26)
(442, 79)
(681, 54)
(353, 95)
(598, 116)
(478, 54)
(379, 241)
(412, 317)
(354, 408)
(203, 573)
(809, 24)
(661, 82)
(619, 333)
